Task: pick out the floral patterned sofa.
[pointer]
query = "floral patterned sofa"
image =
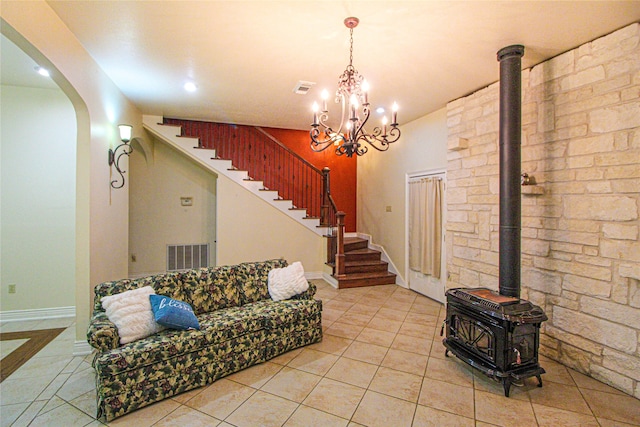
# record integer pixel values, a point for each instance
(240, 325)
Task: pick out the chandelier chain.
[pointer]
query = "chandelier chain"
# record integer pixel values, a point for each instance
(351, 47)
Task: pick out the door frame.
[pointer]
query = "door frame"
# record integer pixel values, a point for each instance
(438, 172)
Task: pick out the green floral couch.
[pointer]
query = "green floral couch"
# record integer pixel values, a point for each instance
(240, 325)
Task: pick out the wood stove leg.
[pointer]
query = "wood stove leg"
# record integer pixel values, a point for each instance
(539, 380)
(506, 384)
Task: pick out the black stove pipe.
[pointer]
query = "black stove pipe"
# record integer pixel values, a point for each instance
(510, 169)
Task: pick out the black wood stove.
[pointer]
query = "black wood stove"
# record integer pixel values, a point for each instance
(496, 334)
(499, 333)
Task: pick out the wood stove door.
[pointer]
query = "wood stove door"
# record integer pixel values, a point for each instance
(476, 336)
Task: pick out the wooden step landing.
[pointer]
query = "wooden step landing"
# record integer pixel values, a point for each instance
(356, 280)
(363, 266)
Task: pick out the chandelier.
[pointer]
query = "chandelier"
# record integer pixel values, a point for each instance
(353, 95)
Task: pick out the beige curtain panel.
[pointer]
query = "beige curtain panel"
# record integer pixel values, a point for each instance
(425, 225)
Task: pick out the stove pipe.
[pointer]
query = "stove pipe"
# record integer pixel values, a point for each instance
(510, 169)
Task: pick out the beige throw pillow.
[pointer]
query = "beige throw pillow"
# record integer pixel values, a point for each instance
(131, 312)
(283, 283)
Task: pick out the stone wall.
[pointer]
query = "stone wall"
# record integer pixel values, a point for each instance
(580, 249)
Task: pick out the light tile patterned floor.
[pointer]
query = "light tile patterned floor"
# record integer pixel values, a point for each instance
(381, 363)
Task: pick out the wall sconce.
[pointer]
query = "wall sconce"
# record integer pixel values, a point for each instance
(114, 157)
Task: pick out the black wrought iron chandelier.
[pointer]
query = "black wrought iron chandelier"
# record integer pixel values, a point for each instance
(353, 96)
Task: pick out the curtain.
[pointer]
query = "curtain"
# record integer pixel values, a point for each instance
(425, 225)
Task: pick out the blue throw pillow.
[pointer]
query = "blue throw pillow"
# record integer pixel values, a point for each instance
(172, 313)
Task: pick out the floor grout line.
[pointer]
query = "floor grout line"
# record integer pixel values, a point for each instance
(384, 302)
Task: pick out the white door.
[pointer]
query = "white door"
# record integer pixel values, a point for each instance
(427, 284)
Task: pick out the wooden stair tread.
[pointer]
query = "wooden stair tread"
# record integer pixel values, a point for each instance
(362, 251)
(356, 280)
(365, 262)
(373, 274)
(354, 239)
(361, 263)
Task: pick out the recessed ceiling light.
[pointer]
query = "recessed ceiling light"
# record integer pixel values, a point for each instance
(42, 71)
(190, 87)
(380, 110)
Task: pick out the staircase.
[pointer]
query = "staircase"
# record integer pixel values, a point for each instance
(190, 147)
(304, 196)
(363, 266)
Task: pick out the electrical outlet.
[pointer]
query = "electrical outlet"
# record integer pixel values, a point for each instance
(12, 289)
(388, 208)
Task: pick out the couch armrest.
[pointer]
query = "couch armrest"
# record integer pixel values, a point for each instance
(102, 333)
(308, 294)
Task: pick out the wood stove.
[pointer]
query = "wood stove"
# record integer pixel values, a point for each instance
(499, 333)
(496, 334)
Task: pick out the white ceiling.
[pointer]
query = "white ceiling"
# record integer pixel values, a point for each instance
(247, 56)
(18, 69)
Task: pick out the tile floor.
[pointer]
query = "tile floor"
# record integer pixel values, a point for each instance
(381, 363)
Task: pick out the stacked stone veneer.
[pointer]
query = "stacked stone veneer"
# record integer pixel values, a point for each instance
(580, 249)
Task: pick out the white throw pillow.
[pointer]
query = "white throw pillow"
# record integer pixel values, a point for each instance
(131, 312)
(286, 282)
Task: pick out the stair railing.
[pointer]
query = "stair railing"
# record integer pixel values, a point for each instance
(334, 219)
(339, 258)
(252, 149)
(264, 158)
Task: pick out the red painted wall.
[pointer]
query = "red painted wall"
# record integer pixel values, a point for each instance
(343, 170)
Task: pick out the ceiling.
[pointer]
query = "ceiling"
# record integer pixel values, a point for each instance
(246, 57)
(18, 69)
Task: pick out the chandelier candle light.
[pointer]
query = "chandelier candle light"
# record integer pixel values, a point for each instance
(350, 137)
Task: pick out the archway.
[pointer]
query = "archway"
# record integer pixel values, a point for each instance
(81, 194)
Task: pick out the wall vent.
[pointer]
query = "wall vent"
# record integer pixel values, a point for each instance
(184, 257)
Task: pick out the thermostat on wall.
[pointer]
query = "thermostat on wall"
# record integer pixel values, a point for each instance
(186, 201)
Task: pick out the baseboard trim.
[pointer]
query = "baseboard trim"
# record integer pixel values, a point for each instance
(81, 348)
(330, 280)
(37, 314)
(311, 275)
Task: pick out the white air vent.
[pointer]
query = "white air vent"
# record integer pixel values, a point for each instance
(183, 257)
(303, 87)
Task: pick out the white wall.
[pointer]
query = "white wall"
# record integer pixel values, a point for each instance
(102, 231)
(246, 227)
(382, 177)
(158, 179)
(37, 224)
(249, 229)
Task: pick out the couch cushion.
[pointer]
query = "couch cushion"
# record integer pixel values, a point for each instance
(164, 284)
(252, 279)
(168, 284)
(210, 289)
(216, 329)
(278, 313)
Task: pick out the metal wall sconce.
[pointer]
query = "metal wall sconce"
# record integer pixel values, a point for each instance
(114, 157)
